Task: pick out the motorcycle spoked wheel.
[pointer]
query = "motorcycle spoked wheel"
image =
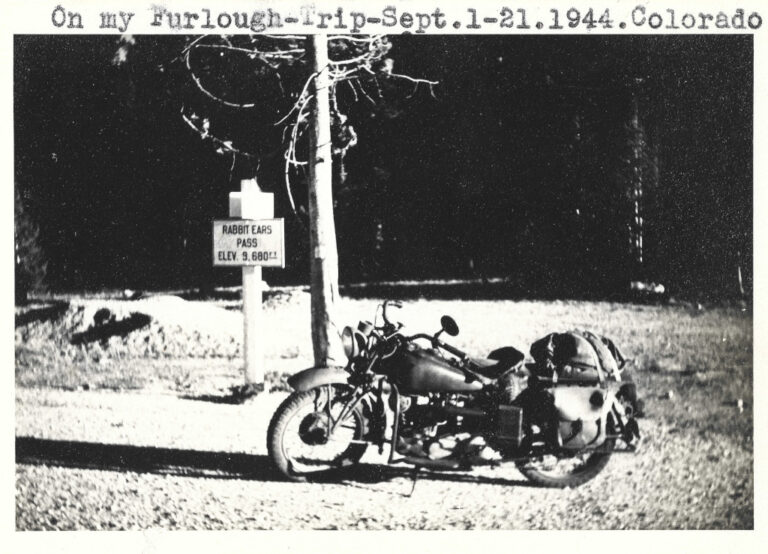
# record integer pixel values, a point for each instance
(561, 472)
(298, 438)
(569, 471)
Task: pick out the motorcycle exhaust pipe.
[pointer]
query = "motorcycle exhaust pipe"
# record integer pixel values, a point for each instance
(466, 412)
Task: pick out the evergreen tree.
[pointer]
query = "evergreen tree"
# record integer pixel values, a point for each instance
(30, 262)
(638, 174)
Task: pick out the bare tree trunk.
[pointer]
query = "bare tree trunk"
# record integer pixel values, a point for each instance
(324, 270)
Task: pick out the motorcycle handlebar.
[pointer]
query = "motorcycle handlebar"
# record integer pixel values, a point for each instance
(453, 350)
(387, 303)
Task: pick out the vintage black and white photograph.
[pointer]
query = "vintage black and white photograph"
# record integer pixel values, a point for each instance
(375, 282)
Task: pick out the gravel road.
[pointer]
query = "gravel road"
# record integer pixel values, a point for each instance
(102, 460)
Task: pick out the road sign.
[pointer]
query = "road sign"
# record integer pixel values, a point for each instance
(249, 242)
(251, 239)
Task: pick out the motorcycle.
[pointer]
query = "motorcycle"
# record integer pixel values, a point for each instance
(558, 417)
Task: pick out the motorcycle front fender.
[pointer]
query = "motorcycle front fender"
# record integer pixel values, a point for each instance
(317, 377)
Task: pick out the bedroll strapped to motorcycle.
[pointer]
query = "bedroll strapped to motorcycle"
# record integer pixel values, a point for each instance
(577, 356)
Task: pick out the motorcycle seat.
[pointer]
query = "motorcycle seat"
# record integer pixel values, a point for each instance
(498, 362)
(487, 368)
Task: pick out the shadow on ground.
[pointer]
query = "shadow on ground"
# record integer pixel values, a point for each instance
(218, 465)
(449, 289)
(234, 395)
(461, 290)
(143, 459)
(47, 313)
(104, 331)
(210, 294)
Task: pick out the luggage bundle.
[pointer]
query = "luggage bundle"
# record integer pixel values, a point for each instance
(577, 357)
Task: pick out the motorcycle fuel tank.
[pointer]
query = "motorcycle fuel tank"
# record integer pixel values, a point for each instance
(421, 371)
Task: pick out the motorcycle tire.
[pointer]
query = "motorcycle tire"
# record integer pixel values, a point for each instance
(591, 467)
(284, 417)
(628, 393)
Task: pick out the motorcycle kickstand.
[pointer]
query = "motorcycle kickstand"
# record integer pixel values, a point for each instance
(415, 476)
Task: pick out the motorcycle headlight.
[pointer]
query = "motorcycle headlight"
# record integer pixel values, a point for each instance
(348, 342)
(354, 342)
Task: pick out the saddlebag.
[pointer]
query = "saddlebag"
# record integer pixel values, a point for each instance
(571, 417)
(582, 414)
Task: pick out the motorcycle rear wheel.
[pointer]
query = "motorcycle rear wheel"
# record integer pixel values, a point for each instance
(298, 438)
(566, 472)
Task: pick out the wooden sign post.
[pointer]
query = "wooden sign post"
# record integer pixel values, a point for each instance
(251, 239)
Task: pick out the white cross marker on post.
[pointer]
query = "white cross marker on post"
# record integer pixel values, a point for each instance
(252, 203)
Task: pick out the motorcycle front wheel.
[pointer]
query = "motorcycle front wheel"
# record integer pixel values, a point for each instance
(562, 472)
(315, 431)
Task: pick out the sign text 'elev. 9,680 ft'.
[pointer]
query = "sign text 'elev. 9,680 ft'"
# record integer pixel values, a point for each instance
(243, 242)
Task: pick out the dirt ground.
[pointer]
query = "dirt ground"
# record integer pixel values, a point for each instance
(125, 420)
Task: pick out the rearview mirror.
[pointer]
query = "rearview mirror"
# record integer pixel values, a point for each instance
(449, 325)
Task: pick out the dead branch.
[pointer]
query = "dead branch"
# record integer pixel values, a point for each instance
(365, 63)
(205, 134)
(208, 93)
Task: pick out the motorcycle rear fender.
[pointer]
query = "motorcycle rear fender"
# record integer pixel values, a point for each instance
(317, 377)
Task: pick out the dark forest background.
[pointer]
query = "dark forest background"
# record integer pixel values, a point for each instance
(519, 167)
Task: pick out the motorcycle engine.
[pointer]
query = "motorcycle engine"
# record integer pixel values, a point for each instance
(439, 426)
